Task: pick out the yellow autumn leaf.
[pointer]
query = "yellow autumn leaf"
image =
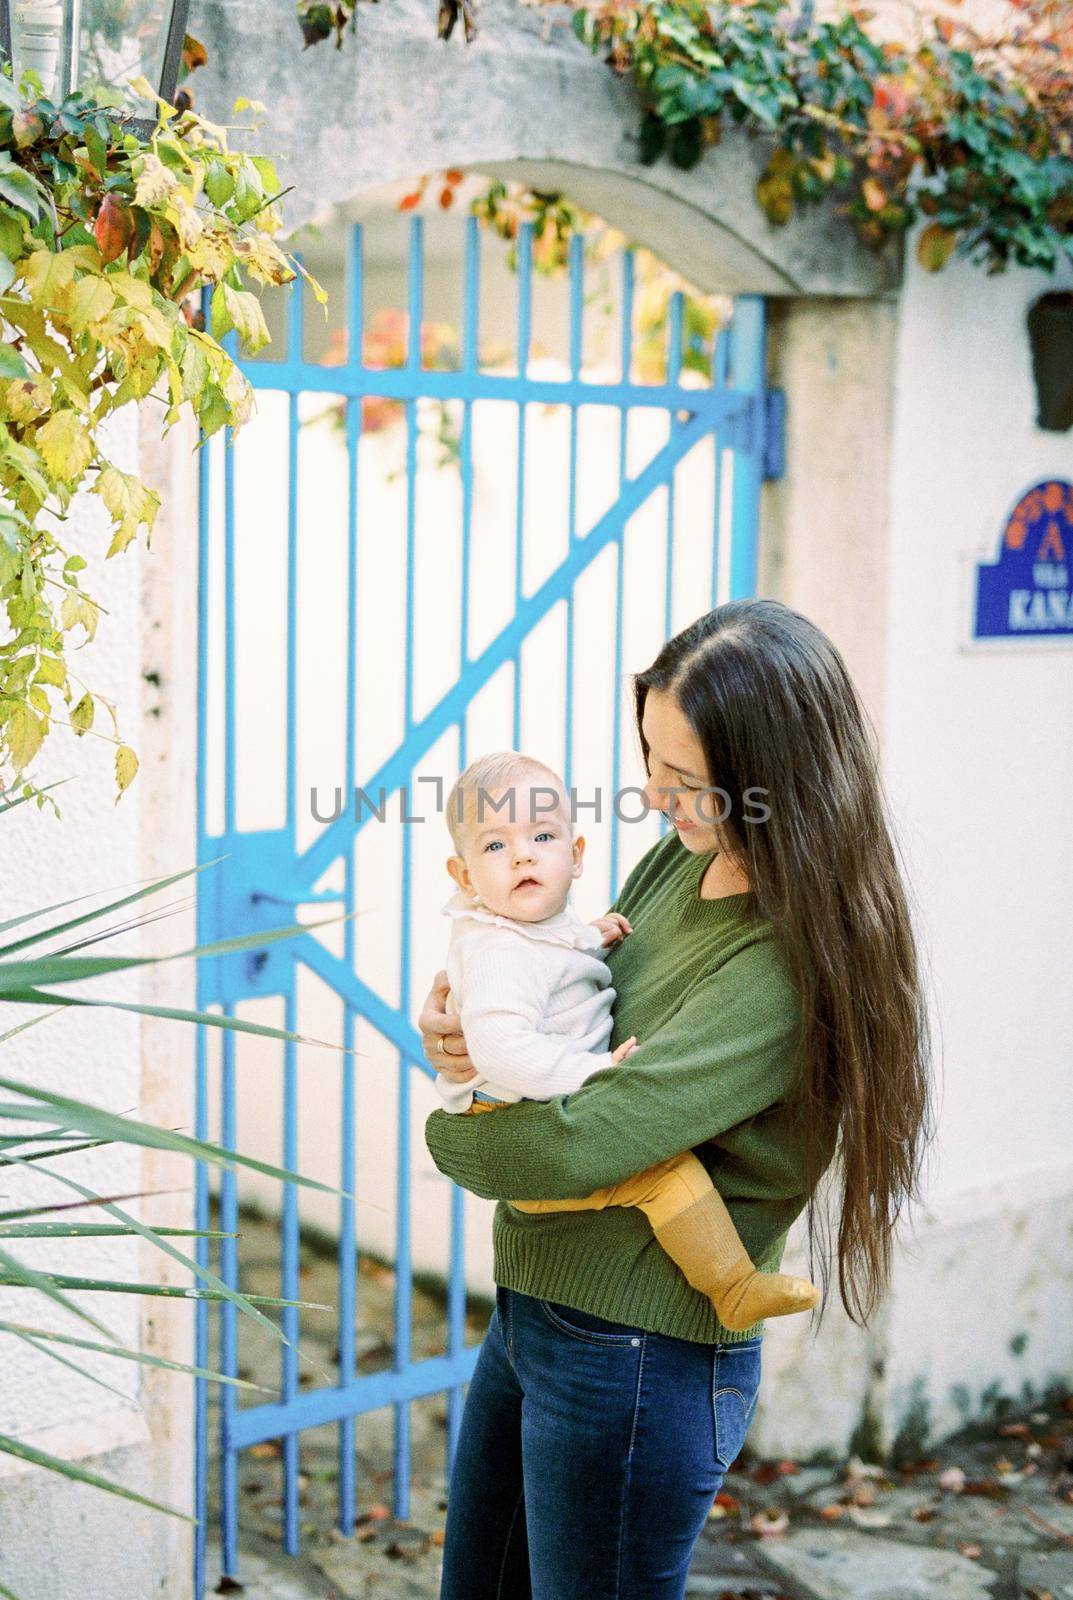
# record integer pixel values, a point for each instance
(245, 312)
(48, 274)
(90, 300)
(65, 445)
(126, 766)
(934, 246)
(82, 714)
(23, 733)
(27, 398)
(130, 504)
(211, 255)
(133, 291)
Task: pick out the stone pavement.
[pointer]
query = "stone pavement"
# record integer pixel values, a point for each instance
(988, 1517)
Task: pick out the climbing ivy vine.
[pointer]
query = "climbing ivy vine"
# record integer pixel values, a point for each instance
(970, 130)
(106, 237)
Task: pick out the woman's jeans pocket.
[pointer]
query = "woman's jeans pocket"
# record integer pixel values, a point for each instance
(735, 1389)
(588, 1329)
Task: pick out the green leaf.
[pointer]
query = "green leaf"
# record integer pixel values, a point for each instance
(62, 1111)
(70, 1469)
(20, 190)
(18, 1275)
(205, 1274)
(140, 1356)
(11, 363)
(219, 184)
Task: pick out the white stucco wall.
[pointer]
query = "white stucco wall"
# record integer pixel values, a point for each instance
(59, 1538)
(980, 765)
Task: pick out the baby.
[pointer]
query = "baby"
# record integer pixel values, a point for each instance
(533, 995)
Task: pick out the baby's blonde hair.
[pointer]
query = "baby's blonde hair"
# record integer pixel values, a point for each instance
(489, 773)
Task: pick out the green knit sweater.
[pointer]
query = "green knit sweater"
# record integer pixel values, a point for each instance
(703, 986)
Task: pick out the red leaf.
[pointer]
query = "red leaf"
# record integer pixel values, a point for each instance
(114, 227)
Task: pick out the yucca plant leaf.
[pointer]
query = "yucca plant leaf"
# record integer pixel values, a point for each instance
(97, 1230)
(63, 1280)
(58, 968)
(14, 1274)
(141, 1356)
(49, 1152)
(71, 1205)
(62, 1110)
(91, 916)
(70, 1469)
(144, 1231)
(65, 1361)
(29, 996)
(9, 805)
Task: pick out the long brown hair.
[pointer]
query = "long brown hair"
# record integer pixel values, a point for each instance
(769, 698)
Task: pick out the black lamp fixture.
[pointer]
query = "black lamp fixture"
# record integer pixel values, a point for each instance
(1050, 332)
(81, 44)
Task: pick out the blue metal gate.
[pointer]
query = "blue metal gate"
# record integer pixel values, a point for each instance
(266, 874)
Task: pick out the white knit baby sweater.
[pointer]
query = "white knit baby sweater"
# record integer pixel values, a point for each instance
(534, 1000)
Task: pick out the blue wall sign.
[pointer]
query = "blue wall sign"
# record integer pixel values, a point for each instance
(1026, 592)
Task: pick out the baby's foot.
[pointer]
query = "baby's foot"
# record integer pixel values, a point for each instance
(757, 1295)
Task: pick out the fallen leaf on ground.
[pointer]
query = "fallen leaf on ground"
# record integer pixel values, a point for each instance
(869, 1517)
(769, 1524)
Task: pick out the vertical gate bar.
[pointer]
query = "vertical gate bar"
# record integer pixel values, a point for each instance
(228, 1188)
(228, 1315)
(746, 374)
(348, 1159)
(403, 1263)
(674, 375)
(456, 1275)
(201, 1066)
(626, 362)
(525, 313)
(576, 260)
(289, 1266)
(719, 381)
(290, 1316)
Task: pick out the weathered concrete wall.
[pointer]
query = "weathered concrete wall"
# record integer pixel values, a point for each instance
(825, 523)
(525, 99)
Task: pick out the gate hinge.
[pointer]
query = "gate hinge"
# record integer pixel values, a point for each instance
(773, 451)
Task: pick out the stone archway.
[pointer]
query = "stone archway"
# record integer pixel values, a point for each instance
(526, 101)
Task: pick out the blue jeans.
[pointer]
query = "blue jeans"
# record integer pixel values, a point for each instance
(589, 1456)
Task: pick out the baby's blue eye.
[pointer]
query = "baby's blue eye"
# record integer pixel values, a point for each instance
(494, 844)
(544, 834)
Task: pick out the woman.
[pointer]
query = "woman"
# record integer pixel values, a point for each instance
(772, 981)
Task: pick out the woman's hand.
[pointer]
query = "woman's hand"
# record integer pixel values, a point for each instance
(443, 1044)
